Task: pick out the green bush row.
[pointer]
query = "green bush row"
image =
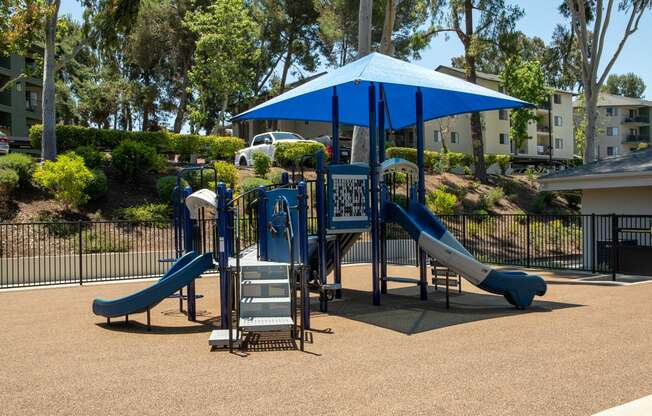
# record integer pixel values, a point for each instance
(71, 137)
(286, 154)
(442, 161)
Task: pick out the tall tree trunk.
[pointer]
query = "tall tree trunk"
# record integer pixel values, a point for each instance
(386, 44)
(288, 62)
(181, 111)
(591, 111)
(49, 139)
(360, 141)
(471, 76)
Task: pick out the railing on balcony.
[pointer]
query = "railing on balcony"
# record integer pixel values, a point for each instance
(543, 150)
(636, 138)
(543, 128)
(637, 119)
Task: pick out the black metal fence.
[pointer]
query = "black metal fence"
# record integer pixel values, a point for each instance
(47, 253)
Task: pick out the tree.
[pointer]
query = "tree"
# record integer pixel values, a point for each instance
(524, 80)
(628, 85)
(226, 42)
(494, 19)
(591, 42)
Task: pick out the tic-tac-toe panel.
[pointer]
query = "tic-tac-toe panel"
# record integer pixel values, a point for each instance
(348, 198)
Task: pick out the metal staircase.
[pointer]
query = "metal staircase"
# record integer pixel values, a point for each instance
(265, 298)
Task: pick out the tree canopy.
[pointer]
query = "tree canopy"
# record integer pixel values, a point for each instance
(628, 85)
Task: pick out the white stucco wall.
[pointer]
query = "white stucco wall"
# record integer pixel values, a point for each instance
(624, 201)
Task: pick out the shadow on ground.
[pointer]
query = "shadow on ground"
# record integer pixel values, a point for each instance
(205, 322)
(401, 309)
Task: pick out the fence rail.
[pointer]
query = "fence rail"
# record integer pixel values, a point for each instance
(47, 253)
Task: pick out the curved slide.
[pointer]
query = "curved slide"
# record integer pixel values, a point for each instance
(186, 269)
(519, 288)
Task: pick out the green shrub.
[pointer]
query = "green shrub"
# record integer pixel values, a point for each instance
(396, 178)
(542, 202)
(433, 161)
(223, 148)
(262, 163)
(185, 145)
(401, 200)
(100, 241)
(227, 173)
(98, 186)
(146, 213)
(20, 163)
(491, 197)
(57, 225)
(66, 178)
(252, 183)
(133, 158)
(276, 177)
(287, 153)
(93, 158)
(165, 187)
(70, 137)
(407, 153)
(441, 202)
(502, 161)
(8, 182)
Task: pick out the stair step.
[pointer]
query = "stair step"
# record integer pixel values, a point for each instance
(264, 272)
(399, 279)
(266, 323)
(265, 288)
(265, 307)
(442, 281)
(220, 338)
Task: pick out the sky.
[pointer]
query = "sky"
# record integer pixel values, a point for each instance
(540, 19)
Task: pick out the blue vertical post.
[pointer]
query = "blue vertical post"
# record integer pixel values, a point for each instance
(373, 170)
(223, 255)
(262, 223)
(303, 245)
(229, 242)
(285, 178)
(421, 189)
(321, 229)
(381, 225)
(335, 159)
(188, 245)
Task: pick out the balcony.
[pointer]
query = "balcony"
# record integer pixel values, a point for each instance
(636, 138)
(543, 150)
(636, 119)
(543, 128)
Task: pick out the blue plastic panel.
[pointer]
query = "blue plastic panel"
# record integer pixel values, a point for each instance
(278, 248)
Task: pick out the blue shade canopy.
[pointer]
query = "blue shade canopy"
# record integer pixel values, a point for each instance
(443, 95)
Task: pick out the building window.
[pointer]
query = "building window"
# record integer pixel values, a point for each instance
(454, 137)
(556, 98)
(612, 111)
(558, 121)
(559, 143)
(502, 114)
(503, 138)
(437, 136)
(613, 151)
(612, 131)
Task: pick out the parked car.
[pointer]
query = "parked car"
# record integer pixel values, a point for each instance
(4, 143)
(345, 146)
(264, 142)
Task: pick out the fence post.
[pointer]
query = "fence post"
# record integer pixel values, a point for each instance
(527, 232)
(464, 230)
(614, 243)
(593, 244)
(81, 251)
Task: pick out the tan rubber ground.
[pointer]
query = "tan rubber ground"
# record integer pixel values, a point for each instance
(580, 349)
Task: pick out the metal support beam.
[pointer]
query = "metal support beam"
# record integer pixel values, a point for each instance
(223, 255)
(373, 168)
(321, 229)
(303, 240)
(335, 159)
(421, 189)
(381, 225)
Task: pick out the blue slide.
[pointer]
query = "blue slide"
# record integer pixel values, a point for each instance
(186, 269)
(519, 288)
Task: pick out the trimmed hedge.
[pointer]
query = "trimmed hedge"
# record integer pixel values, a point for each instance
(20, 163)
(132, 158)
(8, 182)
(211, 147)
(286, 153)
(252, 183)
(446, 160)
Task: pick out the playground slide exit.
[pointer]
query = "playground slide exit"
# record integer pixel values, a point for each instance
(187, 268)
(519, 288)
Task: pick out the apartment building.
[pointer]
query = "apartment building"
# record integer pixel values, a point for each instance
(623, 124)
(20, 104)
(552, 139)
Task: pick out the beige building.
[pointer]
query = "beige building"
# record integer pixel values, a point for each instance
(623, 124)
(551, 139)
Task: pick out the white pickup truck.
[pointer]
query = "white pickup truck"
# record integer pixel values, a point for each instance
(265, 143)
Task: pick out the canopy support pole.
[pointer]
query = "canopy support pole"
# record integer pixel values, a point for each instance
(335, 159)
(421, 189)
(381, 225)
(373, 168)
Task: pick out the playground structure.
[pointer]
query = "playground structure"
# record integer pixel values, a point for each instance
(270, 253)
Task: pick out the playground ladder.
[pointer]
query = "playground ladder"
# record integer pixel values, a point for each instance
(265, 303)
